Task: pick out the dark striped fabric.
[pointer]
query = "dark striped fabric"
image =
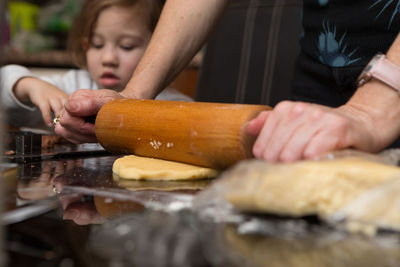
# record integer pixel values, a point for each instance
(250, 56)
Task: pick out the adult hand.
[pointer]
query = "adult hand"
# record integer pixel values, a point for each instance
(297, 130)
(80, 105)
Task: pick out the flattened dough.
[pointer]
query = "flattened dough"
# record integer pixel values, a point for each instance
(303, 188)
(140, 185)
(142, 168)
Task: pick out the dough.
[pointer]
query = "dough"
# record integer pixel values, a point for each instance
(304, 188)
(142, 168)
(379, 206)
(140, 185)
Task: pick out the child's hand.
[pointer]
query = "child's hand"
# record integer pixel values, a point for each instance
(47, 97)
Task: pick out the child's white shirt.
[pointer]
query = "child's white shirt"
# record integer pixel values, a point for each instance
(21, 115)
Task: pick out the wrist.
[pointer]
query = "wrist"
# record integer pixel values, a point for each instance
(378, 100)
(22, 88)
(377, 105)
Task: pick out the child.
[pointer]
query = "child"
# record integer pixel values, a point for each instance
(107, 41)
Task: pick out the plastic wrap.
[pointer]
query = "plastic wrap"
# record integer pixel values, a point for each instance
(152, 239)
(180, 239)
(232, 248)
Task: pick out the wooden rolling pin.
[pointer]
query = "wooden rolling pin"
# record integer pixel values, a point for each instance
(204, 134)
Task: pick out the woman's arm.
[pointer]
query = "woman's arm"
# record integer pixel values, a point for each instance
(369, 121)
(183, 28)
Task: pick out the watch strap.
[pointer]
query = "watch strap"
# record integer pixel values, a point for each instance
(382, 69)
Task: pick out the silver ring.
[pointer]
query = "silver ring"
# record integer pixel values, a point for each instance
(55, 190)
(56, 120)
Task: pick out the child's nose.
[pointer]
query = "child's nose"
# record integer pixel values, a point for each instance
(109, 56)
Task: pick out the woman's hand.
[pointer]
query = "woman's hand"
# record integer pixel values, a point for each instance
(297, 130)
(73, 124)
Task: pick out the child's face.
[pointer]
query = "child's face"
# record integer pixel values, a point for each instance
(119, 40)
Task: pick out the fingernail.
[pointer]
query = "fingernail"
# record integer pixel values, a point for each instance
(251, 122)
(256, 151)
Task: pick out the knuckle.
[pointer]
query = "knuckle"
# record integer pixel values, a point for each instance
(317, 114)
(299, 107)
(283, 106)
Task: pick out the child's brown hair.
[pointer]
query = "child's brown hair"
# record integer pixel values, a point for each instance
(84, 24)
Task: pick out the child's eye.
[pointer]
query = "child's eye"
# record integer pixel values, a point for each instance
(97, 46)
(127, 47)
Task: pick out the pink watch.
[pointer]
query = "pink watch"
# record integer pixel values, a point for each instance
(383, 70)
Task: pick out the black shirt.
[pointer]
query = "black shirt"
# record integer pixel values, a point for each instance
(341, 33)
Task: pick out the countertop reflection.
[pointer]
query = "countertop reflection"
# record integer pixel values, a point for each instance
(87, 191)
(48, 198)
(73, 212)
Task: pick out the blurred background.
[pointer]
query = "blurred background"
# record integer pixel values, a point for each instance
(242, 60)
(35, 35)
(2, 255)
(34, 29)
